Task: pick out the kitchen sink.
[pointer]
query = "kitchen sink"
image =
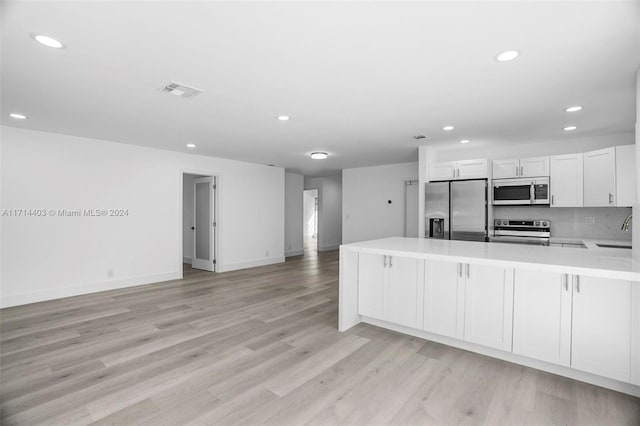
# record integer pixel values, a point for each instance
(613, 246)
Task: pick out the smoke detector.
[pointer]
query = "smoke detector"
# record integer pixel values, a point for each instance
(181, 90)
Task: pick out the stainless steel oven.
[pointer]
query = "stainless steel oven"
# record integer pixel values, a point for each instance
(519, 192)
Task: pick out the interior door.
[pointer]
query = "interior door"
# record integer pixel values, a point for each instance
(204, 224)
(411, 209)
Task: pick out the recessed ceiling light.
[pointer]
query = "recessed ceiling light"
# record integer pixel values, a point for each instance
(570, 128)
(509, 55)
(319, 155)
(284, 118)
(18, 116)
(574, 108)
(48, 41)
(191, 145)
(447, 128)
(465, 141)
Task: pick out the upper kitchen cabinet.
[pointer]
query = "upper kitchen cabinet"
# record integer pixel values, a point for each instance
(566, 180)
(521, 167)
(625, 175)
(600, 178)
(458, 170)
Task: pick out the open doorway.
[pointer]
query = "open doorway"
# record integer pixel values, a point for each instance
(310, 223)
(411, 208)
(199, 222)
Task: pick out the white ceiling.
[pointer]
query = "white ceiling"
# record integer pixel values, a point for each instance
(359, 79)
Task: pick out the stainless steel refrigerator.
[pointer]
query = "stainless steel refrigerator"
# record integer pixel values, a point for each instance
(457, 210)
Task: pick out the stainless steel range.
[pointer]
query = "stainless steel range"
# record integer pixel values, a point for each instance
(536, 231)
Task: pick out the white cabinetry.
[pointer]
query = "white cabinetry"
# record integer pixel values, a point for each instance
(566, 180)
(600, 178)
(521, 167)
(542, 316)
(625, 175)
(602, 327)
(463, 169)
(390, 288)
(488, 314)
(444, 298)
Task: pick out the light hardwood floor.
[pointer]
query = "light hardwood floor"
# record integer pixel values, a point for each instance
(261, 346)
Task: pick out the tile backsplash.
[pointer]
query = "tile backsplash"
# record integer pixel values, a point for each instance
(578, 222)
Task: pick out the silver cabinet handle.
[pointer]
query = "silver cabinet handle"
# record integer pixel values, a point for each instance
(385, 260)
(610, 198)
(390, 261)
(521, 170)
(566, 282)
(552, 200)
(467, 269)
(460, 270)
(454, 173)
(577, 283)
(517, 172)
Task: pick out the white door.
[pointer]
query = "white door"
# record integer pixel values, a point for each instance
(442, 171)
(472, 169)
(372, 274)
(534, 166)
(601, 334)
(542, 316)
(566, 177)
(204, 223)
(506, 168)
(411, 208)
(404, 289)
(444, 298)
(600, 178)
(489, 306)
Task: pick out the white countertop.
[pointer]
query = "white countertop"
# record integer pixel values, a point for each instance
(592, 261)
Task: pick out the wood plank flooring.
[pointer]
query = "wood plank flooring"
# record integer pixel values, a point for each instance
(261, 346)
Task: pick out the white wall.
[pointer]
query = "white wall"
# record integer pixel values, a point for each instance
(330, 210)
(367, 215)
(293, 189)
(309, 202)
(51, 257)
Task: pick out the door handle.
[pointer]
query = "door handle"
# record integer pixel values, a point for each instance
(552, 200)
(467, 269)
(517, 172)
(460, 270)
(610, 198)
(577, 283)
(521, 170)
(532, 193)
(193, 228)
(385, 260)
(566, 282)
(454, 173)
(390, 261)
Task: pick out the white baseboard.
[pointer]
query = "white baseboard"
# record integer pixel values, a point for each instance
(293, 253)
(329, 248)
(186, 260)
(251, 264)
(76, 290)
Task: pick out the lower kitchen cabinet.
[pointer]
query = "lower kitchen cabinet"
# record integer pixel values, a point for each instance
(391, 288)
(488, 313)
(602, 327)
(444, 298)
(542, 316)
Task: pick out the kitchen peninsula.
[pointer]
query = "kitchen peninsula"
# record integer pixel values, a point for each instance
(572, 312)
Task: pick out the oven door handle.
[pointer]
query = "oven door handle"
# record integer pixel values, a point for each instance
(532, 193)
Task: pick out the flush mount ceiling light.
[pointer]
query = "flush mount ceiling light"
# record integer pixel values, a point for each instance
(48, 41)
(465, 141)
(570, 128)
(509, 55)
(319, 155)
(574, 108)
(18, 116)
(447, 128)
(191, 145)
(284, 118)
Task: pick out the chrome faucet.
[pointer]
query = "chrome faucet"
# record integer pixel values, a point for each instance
(626, 223)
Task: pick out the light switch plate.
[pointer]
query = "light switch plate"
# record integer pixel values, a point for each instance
(589, 220)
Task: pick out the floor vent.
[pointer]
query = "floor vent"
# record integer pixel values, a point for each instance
(181, 90)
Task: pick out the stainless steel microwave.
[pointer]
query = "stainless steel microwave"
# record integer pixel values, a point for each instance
(521, 191)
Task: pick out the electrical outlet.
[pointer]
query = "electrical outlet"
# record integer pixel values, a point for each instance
(589, 220)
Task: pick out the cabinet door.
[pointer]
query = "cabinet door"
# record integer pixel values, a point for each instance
(542, 316)
(625, 175)
(372, 275)
(600, 178)
(489, 306)
(534, 166)
(506, 168)
(442, 171)
(444, 298)
(472, 169)
(601, 331)
(566, 180)
(405, 291)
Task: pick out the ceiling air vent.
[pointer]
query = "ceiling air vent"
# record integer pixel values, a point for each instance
(181, 90)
